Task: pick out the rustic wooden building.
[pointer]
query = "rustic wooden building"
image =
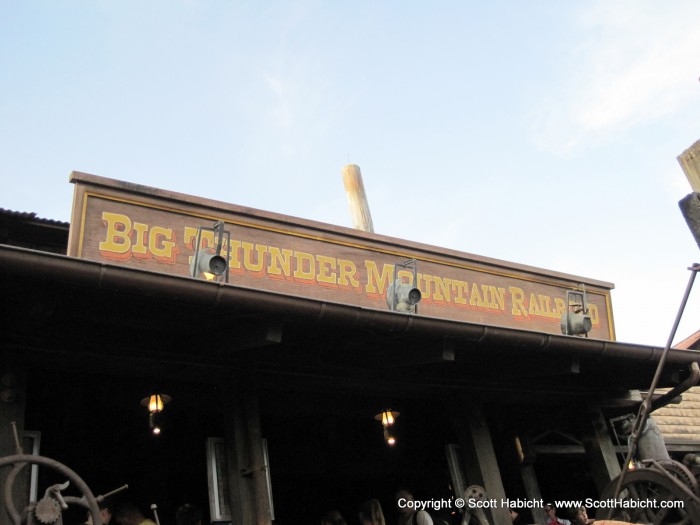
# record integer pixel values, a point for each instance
(276, 376)
(680, 423)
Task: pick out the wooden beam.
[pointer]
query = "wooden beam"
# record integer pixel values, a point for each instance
(599, 448)
(254, 335)
(249, 498)
(481, 466)
(236, 457)
(532, 490)
(579, 449)
(413, 357)
(260, 472)
(357, 198)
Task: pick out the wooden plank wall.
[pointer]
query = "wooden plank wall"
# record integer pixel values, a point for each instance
(680, 424)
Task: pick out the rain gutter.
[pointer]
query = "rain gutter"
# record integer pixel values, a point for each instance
(37, 266)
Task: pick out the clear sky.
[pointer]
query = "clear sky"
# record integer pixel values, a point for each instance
(543, 132)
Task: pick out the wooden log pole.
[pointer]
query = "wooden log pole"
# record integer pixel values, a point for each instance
(240, 496)
(357, 198)
(479, 456)
(249, 498)
(600, 452)
(690, 163)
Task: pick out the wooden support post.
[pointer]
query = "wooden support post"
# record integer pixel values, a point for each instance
(481, 466)
(526, 454)
(248, 495)
(259, 471)
(599, 448)
(532, 491)
(357, 198)
(236, 457)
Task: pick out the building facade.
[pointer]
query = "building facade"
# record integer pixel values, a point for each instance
(277, 370)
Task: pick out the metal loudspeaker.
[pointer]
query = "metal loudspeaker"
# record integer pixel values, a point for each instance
(575, 323)
(575, 319)
(208, 263)
(205, 262)
(400, 296)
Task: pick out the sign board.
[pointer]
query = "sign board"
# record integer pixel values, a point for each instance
(127, 224)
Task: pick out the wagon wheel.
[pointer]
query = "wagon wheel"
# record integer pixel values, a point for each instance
(48, 509)
(681, 472)
(647, 496)
(473, 514)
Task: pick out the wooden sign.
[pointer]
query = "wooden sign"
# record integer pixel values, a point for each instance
(156, 230)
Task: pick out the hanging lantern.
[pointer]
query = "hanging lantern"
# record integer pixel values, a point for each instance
(155, 404)
(387, 418)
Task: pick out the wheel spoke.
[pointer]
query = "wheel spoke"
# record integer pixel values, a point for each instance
(651, 488)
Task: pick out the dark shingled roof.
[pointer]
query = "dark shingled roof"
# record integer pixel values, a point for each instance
(26, 230)
(32, 217)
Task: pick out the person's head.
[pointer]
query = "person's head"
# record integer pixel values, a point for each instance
(371, 513)
(105, 513)
(404, 500)
(188, 515)
(332, 517)
(578, 516)
(549, 510)
(128, 514)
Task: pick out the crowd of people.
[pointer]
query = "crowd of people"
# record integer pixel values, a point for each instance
(574, 516)
(369, 513)
(128, 513)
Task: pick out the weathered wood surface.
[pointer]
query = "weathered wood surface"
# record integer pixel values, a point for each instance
(357, 198)
(144, 228)
(690, 163)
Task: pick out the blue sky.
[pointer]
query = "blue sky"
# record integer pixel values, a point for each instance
(543, 133)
